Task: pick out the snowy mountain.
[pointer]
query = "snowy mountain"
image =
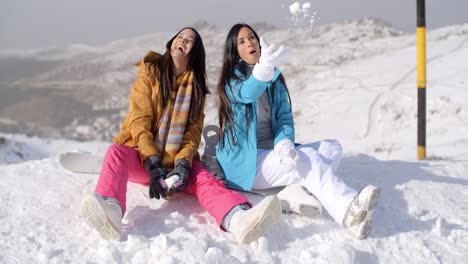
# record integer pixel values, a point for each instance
(53, 91)
(354, 81)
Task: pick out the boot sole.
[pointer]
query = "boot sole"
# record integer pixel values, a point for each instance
(269, 216)
(306, 210)
(298, 200)
(374, 199)
(362, 230)
(93, 211)
(368, 208)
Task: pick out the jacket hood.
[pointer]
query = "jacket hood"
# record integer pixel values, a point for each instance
(150, 56)
(147, 64)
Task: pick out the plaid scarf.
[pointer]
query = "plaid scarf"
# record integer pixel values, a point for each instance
(172, 124)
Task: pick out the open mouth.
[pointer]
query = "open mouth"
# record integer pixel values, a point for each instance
(180, 49)
(252, 52)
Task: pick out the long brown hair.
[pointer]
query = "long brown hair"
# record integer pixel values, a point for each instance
(196, 62)
(231, 59)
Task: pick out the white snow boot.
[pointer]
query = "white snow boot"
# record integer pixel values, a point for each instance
(102, 214)
(358, 217)
(296, 199)
(248, 225)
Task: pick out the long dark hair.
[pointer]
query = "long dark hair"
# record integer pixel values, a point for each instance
(231, 58)
(196, 62)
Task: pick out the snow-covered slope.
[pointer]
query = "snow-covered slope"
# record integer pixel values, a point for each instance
(422, 218)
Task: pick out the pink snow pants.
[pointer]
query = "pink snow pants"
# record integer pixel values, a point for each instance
(122, 164)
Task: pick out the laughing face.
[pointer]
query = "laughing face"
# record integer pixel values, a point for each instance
(183, 44)
(248, 46)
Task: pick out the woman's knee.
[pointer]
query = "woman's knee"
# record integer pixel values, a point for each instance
(331, 148)
(334, 144)
(202, 175)
(116, 149)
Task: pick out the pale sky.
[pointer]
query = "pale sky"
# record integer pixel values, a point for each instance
(46, 23)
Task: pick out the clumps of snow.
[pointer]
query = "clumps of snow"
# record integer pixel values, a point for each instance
(302, 17)
(295, 8)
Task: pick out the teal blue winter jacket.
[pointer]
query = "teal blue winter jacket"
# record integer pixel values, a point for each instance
(238, 160)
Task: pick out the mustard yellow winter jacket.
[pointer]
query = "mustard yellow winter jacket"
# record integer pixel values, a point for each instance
(145, 112)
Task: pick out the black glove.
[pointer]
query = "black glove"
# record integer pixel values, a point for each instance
(156, 173)
(182, 169)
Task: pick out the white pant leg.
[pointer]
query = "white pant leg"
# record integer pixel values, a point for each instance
(314, 172)
(320, 180)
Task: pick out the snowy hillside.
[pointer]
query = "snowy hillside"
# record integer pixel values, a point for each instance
(354, 81)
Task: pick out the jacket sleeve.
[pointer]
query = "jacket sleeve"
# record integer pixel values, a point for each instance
(141, 117)
(192, 136)
(246, 91)
(284, 125)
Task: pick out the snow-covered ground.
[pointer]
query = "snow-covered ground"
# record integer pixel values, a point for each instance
(361, 91)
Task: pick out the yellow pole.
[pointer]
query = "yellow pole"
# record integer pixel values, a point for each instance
(421, 75)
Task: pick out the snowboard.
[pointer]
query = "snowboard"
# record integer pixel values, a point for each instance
(81, 162)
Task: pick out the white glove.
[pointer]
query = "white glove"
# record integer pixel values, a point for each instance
(287, 154)
(269, 59)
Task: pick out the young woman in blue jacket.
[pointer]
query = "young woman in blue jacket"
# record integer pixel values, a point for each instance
(256, 148)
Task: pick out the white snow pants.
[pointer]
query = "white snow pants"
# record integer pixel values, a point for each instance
(315, 171)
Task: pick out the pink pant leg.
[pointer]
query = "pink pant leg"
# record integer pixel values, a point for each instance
(121, 164)
(211, 192)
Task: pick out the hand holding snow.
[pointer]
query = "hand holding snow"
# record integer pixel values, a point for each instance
(272, 56)
(288, 154)
(269, 59)
(172, 182)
